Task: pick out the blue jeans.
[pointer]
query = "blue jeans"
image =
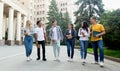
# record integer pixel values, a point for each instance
(56, 48)
(84, 46)
(96, 45)
(28, 42)
(70, 48)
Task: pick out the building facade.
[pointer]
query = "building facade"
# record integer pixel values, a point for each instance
(15, 13)
(13, 16)
(68, 6)
(41, 10)
(38, 9)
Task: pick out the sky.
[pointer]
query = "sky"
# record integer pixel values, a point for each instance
(111, 4)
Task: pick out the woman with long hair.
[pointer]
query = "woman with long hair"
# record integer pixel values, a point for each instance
(70, 35)
(84, 34)
(28, 40)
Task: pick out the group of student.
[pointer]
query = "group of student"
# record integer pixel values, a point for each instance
(95, 32)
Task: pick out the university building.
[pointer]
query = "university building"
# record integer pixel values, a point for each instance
(13, 16)
(15, 13)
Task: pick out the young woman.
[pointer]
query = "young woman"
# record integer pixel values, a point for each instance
(40, 40)
(70, 35)
(56, 36)
(84, 34)
(28, 40)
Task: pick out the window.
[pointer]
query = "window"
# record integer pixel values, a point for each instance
(37, 6)
(43, 12)
(31, 17)
(43, 18)
(34, 19)
(43, 5)
(40, 13)
(23, 3)
(37, 13)
(61, 9)
(37, 18)
(34, 13)
(34, 6)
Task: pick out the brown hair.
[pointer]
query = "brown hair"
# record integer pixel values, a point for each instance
(72, 26)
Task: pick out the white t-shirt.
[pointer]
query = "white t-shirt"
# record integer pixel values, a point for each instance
(55, 33)
(70, 31)
(30, 32)
(40, 32)
(87, 34)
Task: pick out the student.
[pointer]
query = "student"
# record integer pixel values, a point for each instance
(70, 35)
(40, 40)
(97, 31)
(28, 40)
(84, 34)
(56, 36)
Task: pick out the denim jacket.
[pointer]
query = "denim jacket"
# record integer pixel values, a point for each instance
(59, 33)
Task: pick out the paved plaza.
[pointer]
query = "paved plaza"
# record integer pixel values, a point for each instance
(12, 58)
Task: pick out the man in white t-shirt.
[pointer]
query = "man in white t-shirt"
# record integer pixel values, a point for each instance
(40, 39)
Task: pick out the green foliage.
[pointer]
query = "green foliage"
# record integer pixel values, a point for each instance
(87, 9)
(111, 21)
(53, 13)
(108, 52)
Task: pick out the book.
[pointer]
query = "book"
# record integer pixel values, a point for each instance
(96, 33)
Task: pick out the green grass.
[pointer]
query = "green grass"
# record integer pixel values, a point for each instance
(112, 53)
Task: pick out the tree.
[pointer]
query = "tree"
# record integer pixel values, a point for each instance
(65, 20)
(111, 21)
(53, 13)
(87, 9)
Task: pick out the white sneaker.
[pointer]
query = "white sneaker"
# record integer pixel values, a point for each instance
(57, 59)
(101, 64)
(28, 58)
(94, 62)
(71, 60)
(68, 59)
(84, 61)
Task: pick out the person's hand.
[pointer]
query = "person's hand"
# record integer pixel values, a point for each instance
(53, 40)
(62, 40)
(83, 34)
(46, 41)
(70, 36)
(98, 35)
(67, 36)
(37, 45)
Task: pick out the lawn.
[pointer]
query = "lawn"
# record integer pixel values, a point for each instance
(113, 53)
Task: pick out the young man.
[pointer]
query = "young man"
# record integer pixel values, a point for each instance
(40, 39)
(56, 36)
(97, 31)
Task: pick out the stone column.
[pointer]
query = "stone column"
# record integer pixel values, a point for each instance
(24, 25)
(10, 27)
(24, 21)
(1, 22)
(18, 35)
